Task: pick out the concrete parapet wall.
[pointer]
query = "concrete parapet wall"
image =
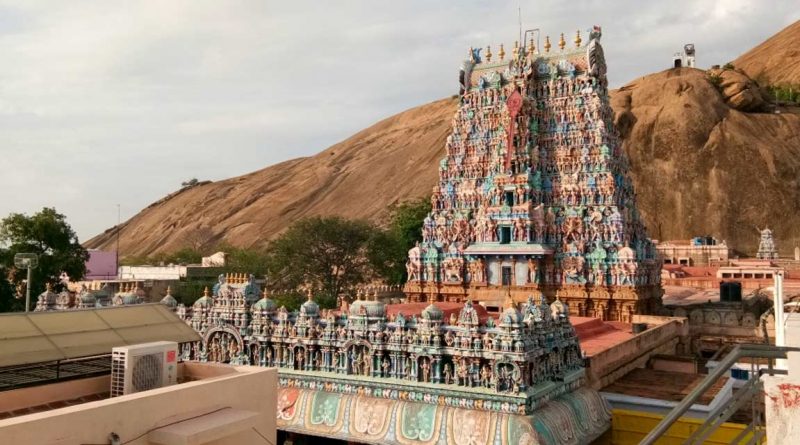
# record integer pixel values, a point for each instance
(134, 417)
(611, 364)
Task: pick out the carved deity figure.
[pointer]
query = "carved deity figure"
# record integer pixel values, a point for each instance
(426, 370)
(448, 374)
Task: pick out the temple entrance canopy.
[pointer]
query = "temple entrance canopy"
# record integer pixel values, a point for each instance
(534, 193)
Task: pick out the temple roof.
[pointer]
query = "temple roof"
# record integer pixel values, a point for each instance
(410, 309)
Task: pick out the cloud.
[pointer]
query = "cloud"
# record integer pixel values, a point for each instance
(105, 103)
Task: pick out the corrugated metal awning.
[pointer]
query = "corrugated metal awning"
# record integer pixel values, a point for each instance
(37, 337)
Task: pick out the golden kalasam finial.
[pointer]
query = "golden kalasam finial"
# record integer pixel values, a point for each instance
(310, 294)
(169, 290)
(578, 39)
(205, 292)
(561, 42)
(502, 53)
(515, 52)
(547, 45)
(531, 47)
(488, 53)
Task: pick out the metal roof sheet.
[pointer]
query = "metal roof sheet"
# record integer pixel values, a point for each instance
(36, 337)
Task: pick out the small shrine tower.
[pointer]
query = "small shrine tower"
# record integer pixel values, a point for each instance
(766, 246)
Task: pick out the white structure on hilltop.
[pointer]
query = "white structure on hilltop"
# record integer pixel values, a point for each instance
(684, 58)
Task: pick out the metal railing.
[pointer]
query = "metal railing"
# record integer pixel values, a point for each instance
(722, 413)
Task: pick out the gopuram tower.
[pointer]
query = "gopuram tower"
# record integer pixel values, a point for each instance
(534, 196)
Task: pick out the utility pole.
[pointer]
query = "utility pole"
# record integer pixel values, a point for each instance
(27, 261)
(116, 266)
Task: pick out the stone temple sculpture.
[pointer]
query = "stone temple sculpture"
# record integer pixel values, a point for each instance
(439, 373)
(533, 193)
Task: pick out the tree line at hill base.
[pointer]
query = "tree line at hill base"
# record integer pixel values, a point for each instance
(330, 255)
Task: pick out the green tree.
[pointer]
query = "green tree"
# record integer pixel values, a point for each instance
(245, 260)
(8, 302)
(48, 235)
(389, 248)
(325, 253)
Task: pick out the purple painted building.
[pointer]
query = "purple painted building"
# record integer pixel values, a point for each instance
(101, 265)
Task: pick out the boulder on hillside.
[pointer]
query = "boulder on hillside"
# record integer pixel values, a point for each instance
(738, 90)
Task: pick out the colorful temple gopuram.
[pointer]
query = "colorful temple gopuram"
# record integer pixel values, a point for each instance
(534, 195)
(367, 375)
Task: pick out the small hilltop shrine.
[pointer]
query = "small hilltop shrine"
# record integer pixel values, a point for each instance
(533, 194)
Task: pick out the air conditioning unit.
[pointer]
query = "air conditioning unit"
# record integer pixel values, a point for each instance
(142, 367)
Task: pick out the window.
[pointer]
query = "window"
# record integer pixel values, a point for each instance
(505, 235)
(506, 276)
(509, 198)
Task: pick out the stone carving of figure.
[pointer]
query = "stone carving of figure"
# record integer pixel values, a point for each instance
(426, 370)
(448, 374)
(366, 360)
(385, 365)
(532, 275)
(485, 376)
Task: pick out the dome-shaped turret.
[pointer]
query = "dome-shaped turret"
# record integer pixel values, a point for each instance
(87, 298)
(433, 313)
(168, 300)
(204, 301)
(46, 300)
(511, 316)
(310, 308)
(130, 299)
(370, 308)
(265, 304)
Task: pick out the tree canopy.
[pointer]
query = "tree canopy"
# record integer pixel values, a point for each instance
(48, 235)
(388, 249)
(325, 253)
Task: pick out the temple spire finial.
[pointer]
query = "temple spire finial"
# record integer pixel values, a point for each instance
(501, 53)
(205, 292)
(578, 39)
(561, 42)
(547, 44)
(488, 53)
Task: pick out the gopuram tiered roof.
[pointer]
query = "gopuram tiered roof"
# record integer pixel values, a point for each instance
(361, 375)
(534, 194)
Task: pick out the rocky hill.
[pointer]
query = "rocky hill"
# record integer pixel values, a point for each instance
(776, 61)
(702, 163)
(357, 178)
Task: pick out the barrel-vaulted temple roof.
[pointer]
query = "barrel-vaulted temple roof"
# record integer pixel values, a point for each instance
(37, 337)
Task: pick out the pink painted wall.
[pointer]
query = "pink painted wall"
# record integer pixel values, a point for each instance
(101, 265)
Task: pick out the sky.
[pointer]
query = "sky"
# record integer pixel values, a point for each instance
(106, 103)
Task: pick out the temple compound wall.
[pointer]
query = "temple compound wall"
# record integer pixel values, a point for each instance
(363, 376)
(533, 194)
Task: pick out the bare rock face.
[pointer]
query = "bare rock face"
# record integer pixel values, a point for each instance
(700, 166)
(739, 91)
(776, 61)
